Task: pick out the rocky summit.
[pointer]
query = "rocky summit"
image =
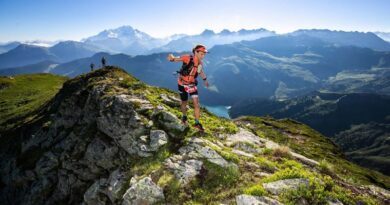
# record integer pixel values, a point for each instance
(107, 138)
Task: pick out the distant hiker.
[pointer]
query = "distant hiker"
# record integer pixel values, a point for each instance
(92, 65)
(187, 83)
(103, 62)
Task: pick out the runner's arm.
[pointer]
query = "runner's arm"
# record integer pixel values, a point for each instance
(172, 58)
(204, 77)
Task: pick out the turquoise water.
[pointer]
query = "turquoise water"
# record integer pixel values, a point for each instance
(219, 110)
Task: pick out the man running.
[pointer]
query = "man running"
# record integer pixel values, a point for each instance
(187, 83)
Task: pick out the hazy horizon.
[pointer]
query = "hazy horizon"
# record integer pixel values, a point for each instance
(25, 20)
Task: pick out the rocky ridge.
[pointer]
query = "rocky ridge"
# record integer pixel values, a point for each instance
(107, 138)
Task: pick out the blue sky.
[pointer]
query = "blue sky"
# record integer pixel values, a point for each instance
(76, 19)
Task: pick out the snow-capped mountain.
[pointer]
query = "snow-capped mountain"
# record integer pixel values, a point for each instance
(346, 38)
(41, 43)
(124, 39)
(384, 35)
(64, 51)
(71, 50)
(5, 47)
(210, 39)
(173, 37)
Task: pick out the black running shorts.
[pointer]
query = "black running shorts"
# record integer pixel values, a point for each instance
(184, 94)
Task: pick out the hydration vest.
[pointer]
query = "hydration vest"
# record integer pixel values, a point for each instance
(188, 73)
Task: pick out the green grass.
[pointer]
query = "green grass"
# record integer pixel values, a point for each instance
(216, 183)
(320, 189)
(306, 141)
(144, 166)
(256, 190)
(24, 94)
(266, 164)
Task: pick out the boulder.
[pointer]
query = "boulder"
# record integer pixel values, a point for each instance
(141, 192)
(170, 123)
(116, 184)
(158, 138)
(93, 195)
(280, 186)
(184, 170)
(255, 200)
(243, 136)
(169, 100)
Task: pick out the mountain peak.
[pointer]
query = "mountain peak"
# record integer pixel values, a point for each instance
(225, 32)
(207, 32)
(24, 46)
(125, 27)
(68, 43)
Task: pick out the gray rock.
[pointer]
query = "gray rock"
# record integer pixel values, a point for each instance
(262, 174)
(124, 130)
(197, 149)
(247, 148)
(188, 163)
(242, 153)
(43, 186)
(158, 138)
(144, 191)
(170, 123)
(65, 182)
(47, 163)
(334, 202)
(134, 146)
(243, 136)
(379, 191)
(280, 186)
(142, 105)
(143, 139)
(173, 102)
(270, 144)
(93, 195)
(255, 200)
(101, 154)
(302, 201)
(184, 170)
(116, 184)
(304, 159)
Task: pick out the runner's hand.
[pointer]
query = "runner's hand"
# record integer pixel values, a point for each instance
(171, 57)
(206, 83)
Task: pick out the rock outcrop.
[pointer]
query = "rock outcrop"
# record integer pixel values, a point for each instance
(106, 138)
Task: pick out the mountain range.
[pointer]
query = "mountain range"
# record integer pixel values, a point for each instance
(342, 38)
(384, 35)
(124, 39)
(210, 38)
(24, 54)
(277, 67)
(131, 41)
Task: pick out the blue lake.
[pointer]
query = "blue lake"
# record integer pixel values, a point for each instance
(219, 110)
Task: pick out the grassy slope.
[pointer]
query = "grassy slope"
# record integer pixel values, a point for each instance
(208, 189)
(24, 94)
(218, 184)
(306, 141)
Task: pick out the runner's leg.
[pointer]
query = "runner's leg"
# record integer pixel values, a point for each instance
(195, 100)
(184, 98)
